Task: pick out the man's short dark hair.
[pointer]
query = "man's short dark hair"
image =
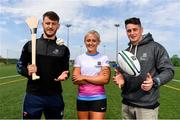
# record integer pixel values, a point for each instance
(133, 20)
(51, 15)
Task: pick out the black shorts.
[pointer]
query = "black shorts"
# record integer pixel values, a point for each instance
(95, 105)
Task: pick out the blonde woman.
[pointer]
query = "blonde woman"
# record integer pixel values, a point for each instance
(91, 72)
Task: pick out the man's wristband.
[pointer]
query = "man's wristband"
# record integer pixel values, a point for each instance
(157, 82)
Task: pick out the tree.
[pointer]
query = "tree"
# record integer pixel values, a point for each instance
(175, 60)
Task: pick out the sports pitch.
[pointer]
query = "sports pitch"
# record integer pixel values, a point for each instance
(12, 90)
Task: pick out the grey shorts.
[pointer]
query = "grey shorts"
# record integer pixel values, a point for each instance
(129, 112)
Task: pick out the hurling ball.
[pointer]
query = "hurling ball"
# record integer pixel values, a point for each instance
(60, 41)
(129, 63)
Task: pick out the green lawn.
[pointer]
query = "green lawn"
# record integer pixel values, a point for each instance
(177, 73)
(6, 70)
(12, 93)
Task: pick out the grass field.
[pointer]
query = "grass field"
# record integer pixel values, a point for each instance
(12, 91)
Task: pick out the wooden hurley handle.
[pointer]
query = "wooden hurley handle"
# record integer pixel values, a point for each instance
(33, 36)
(32, 22)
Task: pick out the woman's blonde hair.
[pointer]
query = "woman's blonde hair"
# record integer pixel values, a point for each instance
(94, 33)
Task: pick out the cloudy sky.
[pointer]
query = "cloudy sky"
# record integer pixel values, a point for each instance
(159, 17)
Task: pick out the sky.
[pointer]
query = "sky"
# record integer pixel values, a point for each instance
(159, 17)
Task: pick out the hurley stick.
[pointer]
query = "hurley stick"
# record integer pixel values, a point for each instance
(32, 22)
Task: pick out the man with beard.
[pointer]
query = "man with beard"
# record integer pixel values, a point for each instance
(52, 64)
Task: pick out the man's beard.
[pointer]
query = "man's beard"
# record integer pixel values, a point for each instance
(49, 35)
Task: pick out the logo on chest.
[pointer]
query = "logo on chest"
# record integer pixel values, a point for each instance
(144, 57)
(98, 64)
(56, 51)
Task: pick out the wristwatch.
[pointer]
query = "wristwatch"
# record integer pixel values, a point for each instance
(157, 82)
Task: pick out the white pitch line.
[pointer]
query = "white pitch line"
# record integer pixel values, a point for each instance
(176, 80)
(9, 76)
(12, 81)
(168, 86)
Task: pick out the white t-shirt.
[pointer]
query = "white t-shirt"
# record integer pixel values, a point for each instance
(91, 65)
